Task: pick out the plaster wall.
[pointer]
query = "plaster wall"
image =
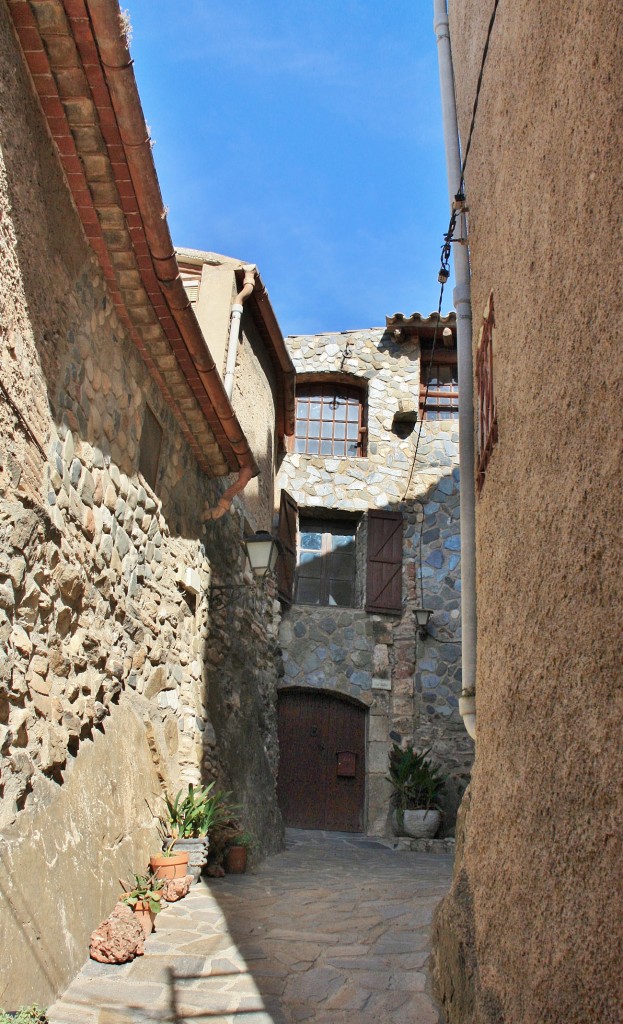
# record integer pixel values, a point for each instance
(534, 918)
(61, 860)
(104, 678)
(215, 294)
(253, 399)
(410, 686)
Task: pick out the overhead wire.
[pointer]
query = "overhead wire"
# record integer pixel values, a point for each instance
(444, 272)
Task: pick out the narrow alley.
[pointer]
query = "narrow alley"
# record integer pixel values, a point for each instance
(334, 929)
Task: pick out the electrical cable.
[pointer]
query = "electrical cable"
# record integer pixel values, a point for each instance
(444, 272)
(477, 96)
(22, 421)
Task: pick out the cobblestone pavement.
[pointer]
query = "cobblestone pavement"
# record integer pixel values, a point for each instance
(334, 930)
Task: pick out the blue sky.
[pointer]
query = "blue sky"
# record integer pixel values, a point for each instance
(303, 136)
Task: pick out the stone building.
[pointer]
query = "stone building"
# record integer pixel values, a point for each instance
(374, 530)
(126, 669)
(532, 930)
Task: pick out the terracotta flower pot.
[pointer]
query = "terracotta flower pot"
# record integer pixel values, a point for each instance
(197, 850)
(174, 866)
(145, 916)
(236, 860)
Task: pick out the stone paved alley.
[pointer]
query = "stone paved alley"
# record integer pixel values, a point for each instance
(334, 929)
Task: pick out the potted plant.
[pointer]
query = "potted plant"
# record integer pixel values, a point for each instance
(236, 853)
(170, 863)
(25, 1015)
(418, 785)
(191, 816)
(224, 829)
(144, 897)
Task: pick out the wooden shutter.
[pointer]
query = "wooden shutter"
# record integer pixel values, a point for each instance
(384, 577)
(286, 564)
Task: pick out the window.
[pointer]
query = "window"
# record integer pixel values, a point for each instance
(151, 442)
(439, 385)
(326, 562)
(329, 420)
(487, 412)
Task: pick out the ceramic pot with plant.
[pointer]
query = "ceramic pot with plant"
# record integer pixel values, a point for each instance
(169, 864)
(191, 815)
(144, 896)
(418, 785)
(236, 853)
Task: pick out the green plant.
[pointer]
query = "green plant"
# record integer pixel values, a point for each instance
(193, 814)
(417, 782)
(242, 838)
(25, 1015)
(146, 889)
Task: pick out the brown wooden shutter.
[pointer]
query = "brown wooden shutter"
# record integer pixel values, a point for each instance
(384, 578)
(286, 564)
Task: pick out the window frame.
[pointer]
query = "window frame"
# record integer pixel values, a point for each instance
(150, 447)
(329, 387)
(328, 527)
(440, 357)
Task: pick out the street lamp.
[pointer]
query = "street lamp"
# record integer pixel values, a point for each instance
(422, 615)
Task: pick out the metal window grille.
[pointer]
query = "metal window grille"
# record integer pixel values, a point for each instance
(151, 444)
(487, 412)
(439, 386)
(329, 420)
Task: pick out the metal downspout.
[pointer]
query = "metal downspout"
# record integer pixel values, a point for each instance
(248, 285)
(462, 304)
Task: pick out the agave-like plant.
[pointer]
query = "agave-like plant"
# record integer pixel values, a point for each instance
(145, 889)
(193, 813)
(417, 782)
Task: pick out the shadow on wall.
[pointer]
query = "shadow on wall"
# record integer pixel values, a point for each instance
(102, 653)
(259, 494)
(344, 650)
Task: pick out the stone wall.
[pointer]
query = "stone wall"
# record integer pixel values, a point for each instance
(411, 687)
(532, 931)
(104, 689)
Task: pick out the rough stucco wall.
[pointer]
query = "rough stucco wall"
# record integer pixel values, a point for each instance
(543, 846)
(411, 687)
(72, 860)
(91, 612)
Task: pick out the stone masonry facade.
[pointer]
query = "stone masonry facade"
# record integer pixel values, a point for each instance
(120, 676)
(410, 686)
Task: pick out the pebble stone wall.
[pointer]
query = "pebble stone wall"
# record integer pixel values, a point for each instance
(411, 686)
(111, 689)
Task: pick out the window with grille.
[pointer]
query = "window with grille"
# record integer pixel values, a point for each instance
(439, 385)
(487, 412)
(329, 420)
(326, 566)
(151, 443)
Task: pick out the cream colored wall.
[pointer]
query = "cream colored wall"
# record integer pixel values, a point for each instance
(253, 399)
(217, 291)
(59, 871)
(539, 884)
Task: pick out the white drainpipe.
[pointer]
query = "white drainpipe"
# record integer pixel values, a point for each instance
(463, 306)
(234, 327)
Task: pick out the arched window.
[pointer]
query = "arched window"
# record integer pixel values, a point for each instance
(330, 419)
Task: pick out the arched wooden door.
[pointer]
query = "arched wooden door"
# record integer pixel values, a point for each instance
(322, 767)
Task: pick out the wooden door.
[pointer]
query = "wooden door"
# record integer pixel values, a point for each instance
(321, 780)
